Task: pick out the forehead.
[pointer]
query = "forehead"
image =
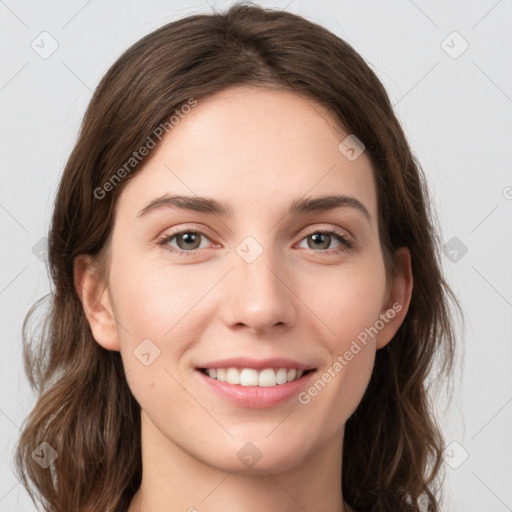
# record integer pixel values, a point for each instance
(256, 149)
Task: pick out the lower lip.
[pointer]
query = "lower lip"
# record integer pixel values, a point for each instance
(256, 396)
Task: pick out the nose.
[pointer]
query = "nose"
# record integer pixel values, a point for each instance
(259, 295)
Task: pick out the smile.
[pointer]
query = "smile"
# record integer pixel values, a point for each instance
(267, 377)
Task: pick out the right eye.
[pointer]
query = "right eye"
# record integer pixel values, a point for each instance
(188, 239)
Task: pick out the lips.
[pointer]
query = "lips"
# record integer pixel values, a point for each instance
(255, 383)
(245, 371)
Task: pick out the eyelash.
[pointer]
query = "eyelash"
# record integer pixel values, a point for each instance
(346, 243)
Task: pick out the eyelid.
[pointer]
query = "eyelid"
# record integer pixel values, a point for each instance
(322, 227)
(184, 228)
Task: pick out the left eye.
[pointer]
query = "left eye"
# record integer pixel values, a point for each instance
(189, 242)
(324, 238)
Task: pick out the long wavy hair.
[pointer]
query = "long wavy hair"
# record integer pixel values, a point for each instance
(393, 445)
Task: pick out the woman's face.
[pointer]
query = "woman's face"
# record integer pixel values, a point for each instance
(262, 286)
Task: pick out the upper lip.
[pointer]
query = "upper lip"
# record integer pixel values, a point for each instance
(257, 364)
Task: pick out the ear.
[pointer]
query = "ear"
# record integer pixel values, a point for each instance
(96, 302)
(398, 298)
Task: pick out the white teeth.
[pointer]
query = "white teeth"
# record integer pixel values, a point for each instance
(292, 373)
(251, 377)
(281, 376)
(232, 376)
(267, 378)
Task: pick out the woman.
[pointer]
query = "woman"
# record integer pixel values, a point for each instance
(280, 361)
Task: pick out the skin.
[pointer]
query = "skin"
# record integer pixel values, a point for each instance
(258, 150)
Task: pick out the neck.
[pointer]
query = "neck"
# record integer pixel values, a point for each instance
(176, 481)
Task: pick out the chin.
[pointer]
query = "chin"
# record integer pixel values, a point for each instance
(257, 456)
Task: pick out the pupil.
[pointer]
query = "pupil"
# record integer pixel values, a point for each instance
(315, 239)
(189, 238)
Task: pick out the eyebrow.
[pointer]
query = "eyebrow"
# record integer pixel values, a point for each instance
(212, 206)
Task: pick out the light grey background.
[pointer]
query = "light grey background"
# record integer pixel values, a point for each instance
(456, 111)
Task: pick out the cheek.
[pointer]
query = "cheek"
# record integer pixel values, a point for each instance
(349, 301)
(151, 299)
(154, 309)
(159, 310)
(350, 307)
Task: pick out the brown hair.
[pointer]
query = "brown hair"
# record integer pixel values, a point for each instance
(392, 454)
